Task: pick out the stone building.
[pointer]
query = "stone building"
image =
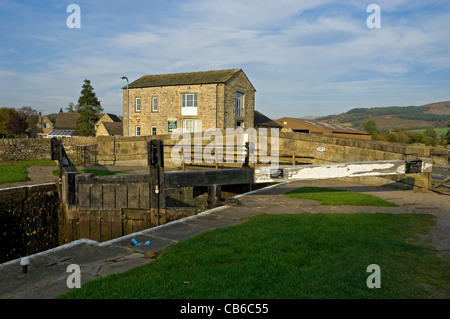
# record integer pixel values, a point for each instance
(108, 125)
(66, 125)
(41, 126)
(109, 129)
(188, 102)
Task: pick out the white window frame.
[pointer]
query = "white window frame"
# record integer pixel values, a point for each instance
(191, 128)
(189, 106)
(136, 130)
(239, 104)
(138, 104)
(153, 128)
(184, 100)
(155, 104)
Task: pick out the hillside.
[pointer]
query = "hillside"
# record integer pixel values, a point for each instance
(407, 117)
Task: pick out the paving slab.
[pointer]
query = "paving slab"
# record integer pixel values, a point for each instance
(122, 266)
(178, 231)
(213, 221)
(156, 243)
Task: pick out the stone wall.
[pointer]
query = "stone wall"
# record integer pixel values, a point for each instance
(25, 149)
(29, 218)
(39, 148)
(242, 85)
(132, 151)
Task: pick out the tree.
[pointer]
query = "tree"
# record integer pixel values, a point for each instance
(88, 107)
(86, 122)
(17, 125)
(370, 127)
(70, 108)
(6, 114)
(431, 135)
(447, 136)
(26, 111)
(89, 98)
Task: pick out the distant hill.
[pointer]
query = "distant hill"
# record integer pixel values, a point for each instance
(407, 117)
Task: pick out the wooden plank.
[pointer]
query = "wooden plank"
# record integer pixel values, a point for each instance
(208, 177)
(95, 225)
(96, 196)
(144, 199)
(84, 196)
(105, 227)
(84, 224)
(121, 196)
(109, 197)
(133, 195)
(325, 171)
(136, 220)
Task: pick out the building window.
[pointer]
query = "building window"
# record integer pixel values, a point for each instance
(189, 125)
(239, 124)
(155, 104)
(189, 100)
(239, 104)
(138, 131)
(153, 130)
(189, 104)
(138, 104)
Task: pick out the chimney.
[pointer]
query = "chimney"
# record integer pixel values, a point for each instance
(40, 117)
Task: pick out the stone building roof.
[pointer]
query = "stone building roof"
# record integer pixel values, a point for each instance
(113, 117)
(191, 78)
(66, 121)
(114, 128)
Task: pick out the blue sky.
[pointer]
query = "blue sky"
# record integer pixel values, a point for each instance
(304, 57)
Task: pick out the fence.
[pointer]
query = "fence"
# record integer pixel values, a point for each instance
(87, 154)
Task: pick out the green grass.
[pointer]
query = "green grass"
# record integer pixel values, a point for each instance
(336, 197)
(16, 171)
(96, 172)
(289, 256)
(440, 131)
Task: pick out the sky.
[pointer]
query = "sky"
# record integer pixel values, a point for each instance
(304, 57)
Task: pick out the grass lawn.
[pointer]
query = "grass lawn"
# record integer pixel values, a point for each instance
(334, 197)
(16, 171)
(289, 256)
